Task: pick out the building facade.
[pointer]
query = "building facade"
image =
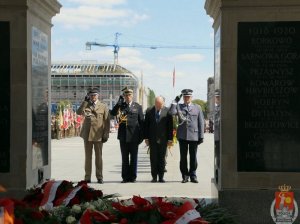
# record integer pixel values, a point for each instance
(72, 81)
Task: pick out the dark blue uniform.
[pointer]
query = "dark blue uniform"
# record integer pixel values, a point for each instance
(130, 135)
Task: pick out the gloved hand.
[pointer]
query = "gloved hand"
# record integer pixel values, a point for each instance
(104, 140)
(200, 141)
(121, 100)
(87, 98)
(177, 98)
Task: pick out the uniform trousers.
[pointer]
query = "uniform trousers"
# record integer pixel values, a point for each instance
(185, 147)
(157, 159)
(129, 152)
(88, 147)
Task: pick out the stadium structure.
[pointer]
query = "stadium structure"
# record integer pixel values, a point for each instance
(71, 81)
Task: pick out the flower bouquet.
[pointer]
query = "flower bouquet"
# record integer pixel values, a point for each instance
(62, 202)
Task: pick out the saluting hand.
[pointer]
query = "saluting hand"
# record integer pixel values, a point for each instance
(177, 98)
(87, 98)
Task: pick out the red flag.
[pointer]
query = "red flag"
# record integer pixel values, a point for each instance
(174, 77)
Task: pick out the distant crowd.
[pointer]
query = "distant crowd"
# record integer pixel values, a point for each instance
(66, 124)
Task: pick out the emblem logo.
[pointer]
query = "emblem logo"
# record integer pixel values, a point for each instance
(284, 208)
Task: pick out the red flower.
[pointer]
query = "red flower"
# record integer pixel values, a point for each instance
(90, 217)
(123, 221)
(36, 215)
(140, 201)
(167, 209)
(124, 209)
(98, 193)
(82, 182)
(74, 201)
(88, 196)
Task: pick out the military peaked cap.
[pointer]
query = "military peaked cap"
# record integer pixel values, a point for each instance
(126, 90)
(187, 92)
(94, 91)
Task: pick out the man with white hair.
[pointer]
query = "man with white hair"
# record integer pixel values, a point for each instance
(158, 135)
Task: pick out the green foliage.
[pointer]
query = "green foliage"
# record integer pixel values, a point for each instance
(151, 98)
(215, 214)
(203, 105)
(62, 105)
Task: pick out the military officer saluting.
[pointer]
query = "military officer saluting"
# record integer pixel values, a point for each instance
(190, 133)
(130, 132)
(95, 132)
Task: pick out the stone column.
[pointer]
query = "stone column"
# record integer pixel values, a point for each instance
(25, 50)
(257, 69)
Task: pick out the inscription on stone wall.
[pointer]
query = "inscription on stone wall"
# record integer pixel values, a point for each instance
(40, 98)
(268, 96)
(5, 97)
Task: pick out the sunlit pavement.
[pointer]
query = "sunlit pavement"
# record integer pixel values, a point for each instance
(68, 164)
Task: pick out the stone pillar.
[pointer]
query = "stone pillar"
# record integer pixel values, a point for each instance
(25, 49)
(257, 69)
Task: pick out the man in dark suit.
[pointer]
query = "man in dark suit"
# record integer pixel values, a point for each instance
(190, 133)
(130, 132)
(158, 135)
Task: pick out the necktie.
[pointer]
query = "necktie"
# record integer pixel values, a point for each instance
(157, 116)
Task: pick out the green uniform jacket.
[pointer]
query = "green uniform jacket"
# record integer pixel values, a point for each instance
(96, 126)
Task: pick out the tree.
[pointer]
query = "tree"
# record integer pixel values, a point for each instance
(62, 105)
(203, 105)
(151, 97)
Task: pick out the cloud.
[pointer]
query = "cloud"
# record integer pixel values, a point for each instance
(86, 16)
(133, 60)
(103, 3)
(186, 58)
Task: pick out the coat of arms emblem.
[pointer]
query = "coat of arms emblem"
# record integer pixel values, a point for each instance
(284, 208)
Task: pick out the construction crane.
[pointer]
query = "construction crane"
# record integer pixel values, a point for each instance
(116, 46)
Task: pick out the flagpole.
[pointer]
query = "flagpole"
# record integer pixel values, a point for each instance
(142, 87)
(174, 81)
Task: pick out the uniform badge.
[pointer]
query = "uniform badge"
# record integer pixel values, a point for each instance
(284, 208)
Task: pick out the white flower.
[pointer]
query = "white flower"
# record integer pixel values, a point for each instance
(86, 205)
(76, 209)
(92, 207)
(70, 219)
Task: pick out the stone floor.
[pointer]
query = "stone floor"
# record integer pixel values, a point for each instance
(68, 163)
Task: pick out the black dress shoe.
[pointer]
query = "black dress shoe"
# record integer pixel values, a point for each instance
(185, 179)
(88, 181)
(124, 181)
(194, 180)
(133, 181)
(161, 180)
(153, 180)
(100, 181)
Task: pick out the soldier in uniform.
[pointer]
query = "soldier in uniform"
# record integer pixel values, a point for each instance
(130, 132)
(190, 133)
(95, 132)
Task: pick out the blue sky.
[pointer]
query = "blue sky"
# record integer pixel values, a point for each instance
(155, 23)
